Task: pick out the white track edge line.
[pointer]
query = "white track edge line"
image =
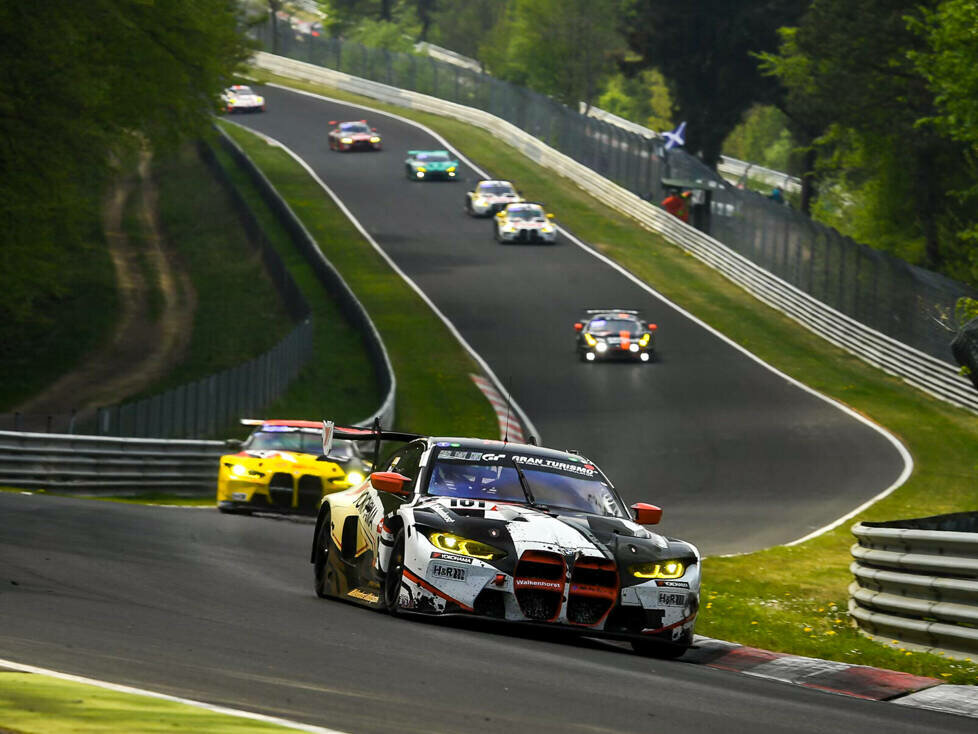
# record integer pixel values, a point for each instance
(167, 697)
(407, 279)
(908, 463)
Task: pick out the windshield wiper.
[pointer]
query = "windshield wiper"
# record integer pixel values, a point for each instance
(528, 493)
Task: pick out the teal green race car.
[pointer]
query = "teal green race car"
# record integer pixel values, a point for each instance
(425, 164)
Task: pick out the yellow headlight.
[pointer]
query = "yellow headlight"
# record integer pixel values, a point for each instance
(660, 570)
(421, 169)
(644, 341)
(590, 340)
(451, 168)
(463, 546)
(374, 139)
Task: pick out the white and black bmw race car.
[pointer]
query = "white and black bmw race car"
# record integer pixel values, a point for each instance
(510, 532)
(241, 98)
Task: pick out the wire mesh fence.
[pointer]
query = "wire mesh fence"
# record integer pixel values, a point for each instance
(910, 304)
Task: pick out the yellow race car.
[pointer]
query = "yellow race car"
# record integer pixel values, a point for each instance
(280, 468)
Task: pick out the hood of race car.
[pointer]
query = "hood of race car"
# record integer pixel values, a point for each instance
(291, 462)
(515, 528)
(436, 165)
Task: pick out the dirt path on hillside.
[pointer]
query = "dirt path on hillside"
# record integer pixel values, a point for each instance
(145, 345)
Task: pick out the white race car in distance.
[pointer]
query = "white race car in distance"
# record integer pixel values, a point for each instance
(240, 98)
(525, 222)
(489, 197)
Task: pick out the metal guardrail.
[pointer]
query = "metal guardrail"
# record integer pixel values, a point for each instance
(916, 581)
(103, 465)
(928, 373)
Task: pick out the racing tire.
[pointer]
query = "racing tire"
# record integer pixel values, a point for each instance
(324, 545)
(468, 207)
(407, 173)
(395, 571)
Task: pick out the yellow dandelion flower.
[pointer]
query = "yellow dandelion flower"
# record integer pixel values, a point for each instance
(821, 609)
(945, 675)
(830, 632)
(807, 629)
(753, 622)
(837, 621)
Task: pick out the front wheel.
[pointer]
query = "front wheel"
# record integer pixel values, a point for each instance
(395, 572)
(321, 552)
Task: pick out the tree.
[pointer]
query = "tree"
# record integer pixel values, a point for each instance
(848, 71)
(81, 81)
(564, 48)
(464, 25)
(706, 50)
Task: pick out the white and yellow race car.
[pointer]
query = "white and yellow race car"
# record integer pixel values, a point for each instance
(280, 468)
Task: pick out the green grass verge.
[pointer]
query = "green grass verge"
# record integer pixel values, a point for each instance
(784, 599)
(39, 704)
(62, 329)
(434, 392)
(239, 314)
(339, 382)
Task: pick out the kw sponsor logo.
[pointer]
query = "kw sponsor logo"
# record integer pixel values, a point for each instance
(364, 595)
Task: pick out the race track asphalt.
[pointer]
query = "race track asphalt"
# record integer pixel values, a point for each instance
(221, 609)
(738, 457)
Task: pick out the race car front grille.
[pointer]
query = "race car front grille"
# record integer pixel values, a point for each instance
(529, 235)
(310, 492)
(280, 490)
(593, 590)
(539, 584)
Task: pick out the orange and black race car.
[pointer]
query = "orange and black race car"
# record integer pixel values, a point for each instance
(614, 333)
(280, 468)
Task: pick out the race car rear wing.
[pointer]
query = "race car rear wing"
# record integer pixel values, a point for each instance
(631, 311)
(375, 433)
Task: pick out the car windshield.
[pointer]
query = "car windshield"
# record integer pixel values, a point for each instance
(527, 213)
(614, 326)
(241, 90)
(495, 189)
(354, 127)
(573, 484)
(438, 156)
(304, 441)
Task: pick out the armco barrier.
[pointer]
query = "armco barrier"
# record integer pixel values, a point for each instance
(916, 581)
(921, 370)
(100, 465)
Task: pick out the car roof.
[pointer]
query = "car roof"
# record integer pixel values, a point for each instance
(485, 444)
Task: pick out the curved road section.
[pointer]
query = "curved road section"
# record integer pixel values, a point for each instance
(739, 457)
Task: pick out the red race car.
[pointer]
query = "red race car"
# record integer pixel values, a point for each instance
(353, 136)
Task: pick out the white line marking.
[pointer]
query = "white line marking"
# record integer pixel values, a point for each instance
(908, 464)
(414, 286)
(166, 697)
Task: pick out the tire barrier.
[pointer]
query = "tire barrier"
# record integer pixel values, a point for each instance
(916, 581)
(934, 376)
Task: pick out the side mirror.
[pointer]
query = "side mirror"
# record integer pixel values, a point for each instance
(332, 122)
(233, 443)
(646, 514)
(578, 326)
(652, 327)
(390, 481)
(500, 215)
(373, 129)
(550, 215)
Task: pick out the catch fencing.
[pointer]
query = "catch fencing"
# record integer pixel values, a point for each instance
(936, 376)
(916, 581)
(909, 304)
